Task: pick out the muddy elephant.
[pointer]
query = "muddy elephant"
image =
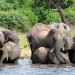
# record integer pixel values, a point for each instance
(38, 32)
(43, 36)
(47, 56)
(2, 39)
(40, 55)
(10, 53)
(10, 36)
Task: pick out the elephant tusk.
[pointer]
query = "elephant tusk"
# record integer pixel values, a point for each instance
(52, 50)
(63, 49)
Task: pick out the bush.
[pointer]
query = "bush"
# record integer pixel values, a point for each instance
(70, 15)
(29, 14)
(51, 16)
(47, 15)
(8, 5)
(14, 21)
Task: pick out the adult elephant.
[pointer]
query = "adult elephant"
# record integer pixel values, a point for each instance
(37, 33)
(46, 56)
(43, 36)
(10, 53)
(10, 36)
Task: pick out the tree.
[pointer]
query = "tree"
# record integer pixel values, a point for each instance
(57, 4)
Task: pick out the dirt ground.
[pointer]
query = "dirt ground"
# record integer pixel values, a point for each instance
(72, 28)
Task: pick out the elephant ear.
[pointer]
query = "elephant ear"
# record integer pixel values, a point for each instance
(5, 36)
(51, 32)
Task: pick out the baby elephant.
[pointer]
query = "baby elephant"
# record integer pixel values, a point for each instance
(40, 55)
(11, 53)
(47, 56)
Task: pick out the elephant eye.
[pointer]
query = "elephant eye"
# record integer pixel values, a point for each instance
(9, 39)
(57, 27)
(65, 27)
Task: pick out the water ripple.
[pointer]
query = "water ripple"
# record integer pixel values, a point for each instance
(25, 67)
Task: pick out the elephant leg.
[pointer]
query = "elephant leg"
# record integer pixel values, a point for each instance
(1, 53)
(66, 56)
(5, 55)
(52, 58)
(32, 45)
(33, 48)
(72, 55)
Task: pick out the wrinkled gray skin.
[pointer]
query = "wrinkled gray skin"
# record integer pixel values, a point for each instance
(46, 56)
(2, 39)
(37, 33)
(53, 59)
(40, 55)
(8, 35)
(11, 53)
(50, 37)
(11, 36)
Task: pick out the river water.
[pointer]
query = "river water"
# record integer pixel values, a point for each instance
(25, 67)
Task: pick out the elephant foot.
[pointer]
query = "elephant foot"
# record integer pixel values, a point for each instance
(68, 62)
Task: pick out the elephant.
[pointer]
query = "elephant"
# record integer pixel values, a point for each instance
(72, 52)
(40, 55)
(38, 32)
(47, 56)
(43, 36)
(10, 36)
(10, 53)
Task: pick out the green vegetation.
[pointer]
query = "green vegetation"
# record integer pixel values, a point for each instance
(20, 15)
(25, 49)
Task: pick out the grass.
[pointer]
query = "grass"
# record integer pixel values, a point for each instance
(25, 49)
(73, 34)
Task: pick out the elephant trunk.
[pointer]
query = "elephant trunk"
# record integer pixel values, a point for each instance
(58, 47)
(1, 45)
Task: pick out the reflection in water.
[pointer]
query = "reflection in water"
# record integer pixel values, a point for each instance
(25, 67)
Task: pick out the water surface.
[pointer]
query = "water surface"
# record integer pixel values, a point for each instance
(25, 67)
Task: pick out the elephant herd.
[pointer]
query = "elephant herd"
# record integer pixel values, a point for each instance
(9, 46)
(51, 44)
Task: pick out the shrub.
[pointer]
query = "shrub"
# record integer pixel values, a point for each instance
(51, 16)
(70, 14)
(29, 14)
(14, 21)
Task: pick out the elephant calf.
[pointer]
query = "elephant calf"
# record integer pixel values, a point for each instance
(11, 53)
(47, 56)
(40, 55)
